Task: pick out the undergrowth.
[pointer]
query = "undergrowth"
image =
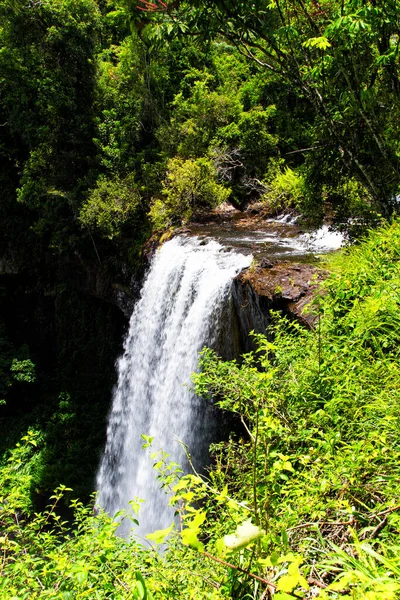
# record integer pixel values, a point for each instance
(305, 504)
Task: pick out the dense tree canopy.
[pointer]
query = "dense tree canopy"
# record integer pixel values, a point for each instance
(340, 57)
(110, 89)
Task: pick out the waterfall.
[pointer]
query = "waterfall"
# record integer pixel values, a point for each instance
(182, 308)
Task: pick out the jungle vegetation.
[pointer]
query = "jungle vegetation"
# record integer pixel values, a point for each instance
(118, 121)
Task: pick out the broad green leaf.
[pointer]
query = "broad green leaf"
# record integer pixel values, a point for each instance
(159, 536)
(140, 590)
(189, 538)
(341, 583)
(317, 42)
(287, 583)
(197, 520)
(220, 546)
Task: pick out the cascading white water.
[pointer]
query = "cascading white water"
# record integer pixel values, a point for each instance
(180, 311)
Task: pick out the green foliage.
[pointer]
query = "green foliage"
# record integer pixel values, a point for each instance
(285, 189)
(112, 205)
(20, 472)
(367, 572)
(197, 119)
(257, 143)
(131, 85)
(190, 186)
(220, 111)
(340, 59)
(301, 502)
(320, 409)
(43, 555)
(15, 369)
(119, 92)
(47, 74)
(23, 370)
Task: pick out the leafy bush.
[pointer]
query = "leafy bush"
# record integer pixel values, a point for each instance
(19, 474)
(285, 188)
(23, 370)
(190, 186)
(111, 205)
(257, 142)
(197, 118)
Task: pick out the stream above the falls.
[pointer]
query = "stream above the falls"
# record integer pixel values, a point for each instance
(281, 238)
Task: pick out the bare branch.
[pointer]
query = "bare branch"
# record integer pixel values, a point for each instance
(226, 162)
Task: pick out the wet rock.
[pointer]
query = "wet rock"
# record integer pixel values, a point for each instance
(224, 209)
(286, 287)
(265, 263)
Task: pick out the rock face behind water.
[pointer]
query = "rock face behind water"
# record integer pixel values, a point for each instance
(286, 287)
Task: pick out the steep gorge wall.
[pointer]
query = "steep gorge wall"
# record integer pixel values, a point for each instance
(73, 338)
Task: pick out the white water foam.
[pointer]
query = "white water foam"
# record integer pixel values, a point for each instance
(322, 240)
(179, 312)
(318, 241)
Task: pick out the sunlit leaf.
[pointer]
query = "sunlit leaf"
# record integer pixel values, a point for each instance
(159, 536)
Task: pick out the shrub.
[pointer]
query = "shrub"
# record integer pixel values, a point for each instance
(23, 370)
(198, 118)
(190, 187)
(111, 205)
(257, 143)
(285, 188)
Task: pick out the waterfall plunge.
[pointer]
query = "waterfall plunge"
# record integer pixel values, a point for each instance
(181, 310)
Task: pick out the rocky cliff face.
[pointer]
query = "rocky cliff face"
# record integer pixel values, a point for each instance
(285, 287)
